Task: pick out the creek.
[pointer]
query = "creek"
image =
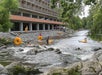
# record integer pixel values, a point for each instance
(71, 51)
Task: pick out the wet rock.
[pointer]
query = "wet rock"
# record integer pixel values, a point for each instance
(11, 65)
(4, 72)
(46, 57)
(73, 69)
(97, 55)
(58, 51)
(100, 73)
(32, 52)
(96, 49)
(1, 47)
(69, 59)
(50, 49)
(1, 67)
(91, 68)
(38, 47)
(21, 49)
(78, 48)
(6, 54)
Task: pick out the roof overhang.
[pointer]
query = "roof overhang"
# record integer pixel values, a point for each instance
(28, 19)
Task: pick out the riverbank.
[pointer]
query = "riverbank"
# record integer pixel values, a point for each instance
(32, 37)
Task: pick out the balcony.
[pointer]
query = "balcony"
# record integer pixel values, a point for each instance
(35, 7)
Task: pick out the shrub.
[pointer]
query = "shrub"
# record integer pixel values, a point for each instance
(21, 70)
(5, 41)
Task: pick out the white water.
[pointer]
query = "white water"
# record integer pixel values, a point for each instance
(68, 46)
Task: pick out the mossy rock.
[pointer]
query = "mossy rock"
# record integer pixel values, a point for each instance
(5, 63)
(74, 69)
(56, 74)
(22, 70)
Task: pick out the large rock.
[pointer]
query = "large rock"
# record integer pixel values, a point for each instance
(4, 72)
(98, 55)
(66, 70)
(69, 59)
(32, 52)
(12, 65)
(1, 67)
(6, 54)
(91, 68)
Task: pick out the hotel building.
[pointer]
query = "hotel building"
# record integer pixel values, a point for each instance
(35, 15)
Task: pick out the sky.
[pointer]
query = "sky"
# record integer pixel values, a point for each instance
(85, 12)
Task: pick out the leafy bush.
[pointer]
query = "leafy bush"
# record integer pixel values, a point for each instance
(21, 70)
(74, 72)
(56, 74)
(5, 41)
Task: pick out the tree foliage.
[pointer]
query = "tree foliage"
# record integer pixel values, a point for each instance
(6, 7)
(69, 10)
(95, 19)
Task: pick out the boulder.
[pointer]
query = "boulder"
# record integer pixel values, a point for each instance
(91, 68)
(6, 54)
(98, 55)
(50, 49)
(69, 58)
(1, 67)
(58, 51)
(32, 52)
(4, 72)
(96, 49)
(12, 65)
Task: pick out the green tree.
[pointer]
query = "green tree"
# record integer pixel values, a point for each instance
(95, 19)
(6, 7)
(69, 10)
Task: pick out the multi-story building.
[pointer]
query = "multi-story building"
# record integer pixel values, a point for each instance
(36, 15)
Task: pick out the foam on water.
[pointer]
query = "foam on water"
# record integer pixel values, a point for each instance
(68, 45)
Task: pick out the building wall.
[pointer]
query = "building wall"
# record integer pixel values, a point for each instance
(39, 9)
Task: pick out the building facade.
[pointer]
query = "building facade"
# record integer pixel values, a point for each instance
(35, 15)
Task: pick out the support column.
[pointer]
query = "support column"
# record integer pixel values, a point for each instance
(30, 26)
(48, 26)
(38, 26)
(21, 26)
(38, 17)
(21, 13)
(31, 15)
(52, 27)
(43, 26)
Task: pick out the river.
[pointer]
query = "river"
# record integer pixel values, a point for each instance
(72, 51)
(71, 45)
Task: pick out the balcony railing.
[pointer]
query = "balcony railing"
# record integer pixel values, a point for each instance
(37, 8)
